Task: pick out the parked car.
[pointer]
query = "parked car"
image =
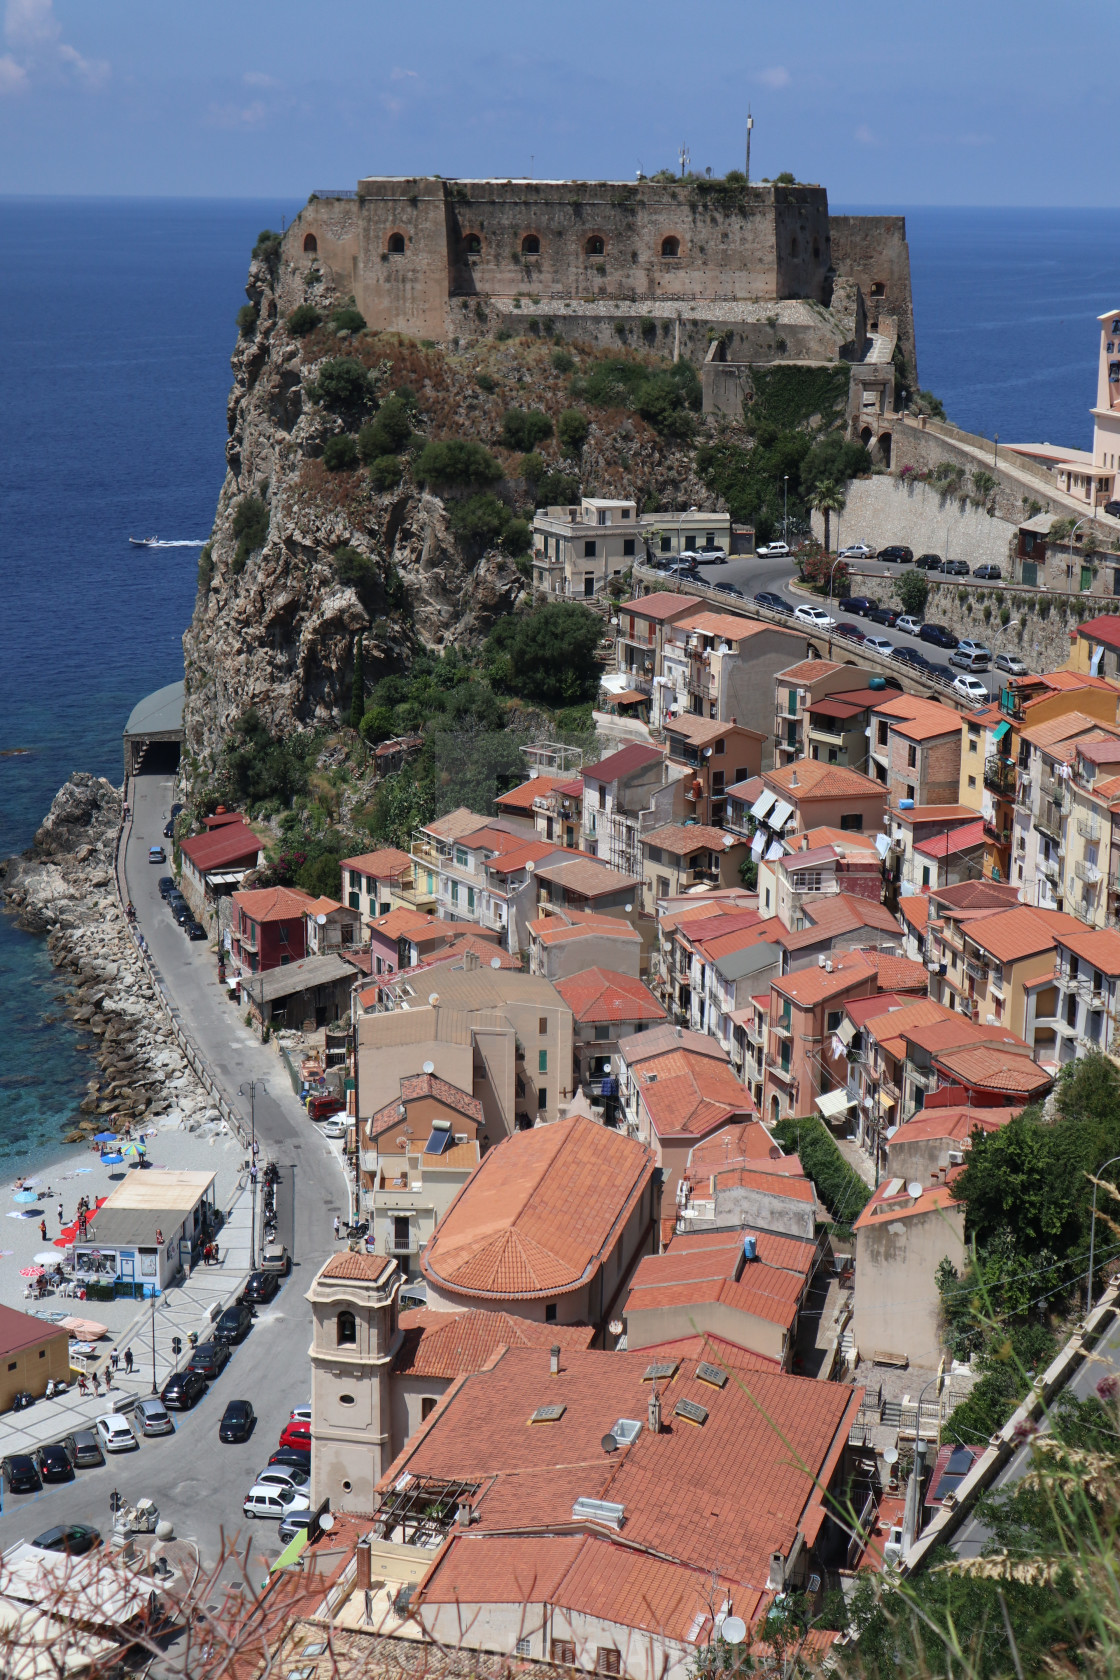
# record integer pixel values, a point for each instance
(293, 1523)
(1113, 508)
(772, 551)
(884, 615)
(730, 589)
(234, 1324)
(776, 603)
(21, 1473)
(280, 1475)
(941, 673)
(991, 573)
(684, 569)
(210, 1358)
(175, 810)
(852, 631)
(928, 562)
(954, 568)
(53, 1463)
(300, 1414)
(300, 1457)
(938, 635)
(156, 854)
(84, 1449)
(337, 1126)
(711, 556)
(237, 1425)
(856, 551)
(74, 1538)
(276, 1259)
(879, 644)
(970, 655)
(296, 1434)
(154, 1417)
(115, 1433)
(319, 1107)
(897, 553)
(1008, 662)
(260, 1288)
(194, 930)
(175, 900)
(166, 884)
(907, 622)
(816, 616)
(910, 656)
(971, 687)
(183, 914)
(861, 605)
(169, 829)
(183, 1390)
(275, 1502)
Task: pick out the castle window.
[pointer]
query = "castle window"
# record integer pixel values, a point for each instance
(816, 250)
(395, 245)
(595, 246)
(346, 1328)
(473, 245)
(310, 243)
(530, 245)
(878, 288)
(670, 246)
(427, 1406)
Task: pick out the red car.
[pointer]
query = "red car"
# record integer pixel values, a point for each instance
(297, 1434)
(321, 1108)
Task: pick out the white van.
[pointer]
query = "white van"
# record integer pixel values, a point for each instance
(265, 1499)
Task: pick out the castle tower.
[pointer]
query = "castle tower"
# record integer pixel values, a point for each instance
(355, 1335)
(1106, 412)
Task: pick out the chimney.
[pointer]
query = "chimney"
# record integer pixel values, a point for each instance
(793, 780)
(470, 960)
(363, 1564)
(554, 1361)
(654, 1411)
(463, 1514)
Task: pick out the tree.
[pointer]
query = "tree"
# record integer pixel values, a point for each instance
(572, 429)
(343, 385)
(457, 461)
(250, 527)
(303, 319)
(247, 317)
(835, 459)
(357, 688)
(481, 519)
(389, 432)
(827, 498)
(340, 453)
(386, 472)
(347, 319)
(557, 489)
(377, 725)
(523, 429)
(912, 589)
(551, 653)
(823, 573)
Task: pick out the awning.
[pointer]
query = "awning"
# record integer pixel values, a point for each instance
(1000, 731)
(834, 1103)
(780, 815)
(777, 850)
(292, 1552)
(763, 803)
(846, 1031)
(630, 697)
(757, 844)
(225, 877)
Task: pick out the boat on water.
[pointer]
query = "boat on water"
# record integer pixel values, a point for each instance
(144, 542)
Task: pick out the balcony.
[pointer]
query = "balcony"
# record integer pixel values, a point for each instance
(1089, 828)
(1051, 868)
(1087, 872)
(755, 1036)
(1053, 789)
(976, 970)
(775, 1067)
(1048, 818)
(782, 1027)
(1000, 777)
(390, 1245)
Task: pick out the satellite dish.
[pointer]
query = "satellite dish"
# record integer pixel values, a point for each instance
(322, 921)
(728, 842)
(615, 1327)
(433, 998)
(495, 962)
(628, 908)
(914, 1188)
(734, 1630)
(708, 754)
(609, 1444)
(429, 1067)
(326, 1524)
(890, 1456)
(529, 867)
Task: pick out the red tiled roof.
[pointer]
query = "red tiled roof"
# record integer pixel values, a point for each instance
(323, 906)
(662, 604)
(762, 1292)
(715, 1350)
(915, 911)
(542, 1211)
(585, 875)
(622, 763)
(452, 1344)
(732, 1146)
(975, 895)
(554, 930)
(832, 917)
(901, 1205)
(1101, 947)
(928, 725)
(682, 841)
(980, 1066)
(273, 904)
(417, 1086)
(890, 1030)
(808, 669)
(20, 1330)
(899, 974)
(233, 843)
(953, 840)
(383, 865)
(809, 986)
(1022, 932)
(521, 798)
(600, 994)
(774, 1184)
(809, 779)
(955, 1123)
(403, 923)
(1105, 629)
(687, 1094)
(354, 1264)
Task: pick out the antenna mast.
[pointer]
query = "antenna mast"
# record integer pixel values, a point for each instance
(686, 158)
(750, 125)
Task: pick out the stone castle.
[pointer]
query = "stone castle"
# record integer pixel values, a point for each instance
(732, 276)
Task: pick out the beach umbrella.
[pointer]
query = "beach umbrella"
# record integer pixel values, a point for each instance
(113, 1160)
(104, 1137)
(25, 1195)
(31, 1271)
(134, 1149)
(50, 1258)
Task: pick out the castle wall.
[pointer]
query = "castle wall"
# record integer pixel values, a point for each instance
(872, 251)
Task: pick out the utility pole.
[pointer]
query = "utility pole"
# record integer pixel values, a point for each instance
(785, 510)
(750, 125)
(249, 1089)
(155, 1390)
(686, 159)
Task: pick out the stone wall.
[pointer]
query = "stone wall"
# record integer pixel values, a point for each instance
(1043, 643)
(872, 251)
(885, 509)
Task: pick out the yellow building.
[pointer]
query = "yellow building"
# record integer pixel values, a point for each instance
(33, 1353)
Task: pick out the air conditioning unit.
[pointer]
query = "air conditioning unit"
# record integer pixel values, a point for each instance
(956, 1157)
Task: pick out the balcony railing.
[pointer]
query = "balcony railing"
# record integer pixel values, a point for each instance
(1053, 789)
(775, 1067)
(1000, 777)
(755, 1035)
(1048, 817)
(1051, 868)
(1087, 872)
(976, 970)
(390, 1245)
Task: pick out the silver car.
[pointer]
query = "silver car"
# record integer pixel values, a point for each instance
(154, 1418)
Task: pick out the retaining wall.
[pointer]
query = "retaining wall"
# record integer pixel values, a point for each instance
(885, 509)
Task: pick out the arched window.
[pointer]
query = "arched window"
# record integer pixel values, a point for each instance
(310, 243)
(595, 246)
(670, 246)
(531, 245)
(347, 1328)
(395, 244)
(473, 244)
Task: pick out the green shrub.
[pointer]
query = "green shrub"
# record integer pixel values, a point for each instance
(562, 361)
(912, 589)
(548, 655)
(482, 519)
(255, 766)
(303, 320)
(250, 527)
(666, 398)
(343, 385)
(267, 249)
(457, 461)
(347, 319)
(485, 383)
(517, 537)
(532, 467)
(834, 459)
(523, 429)
(378, 589)
(556, 489)
(340, 454)
(390, 430)
(206, 568)
(247, 317)
(572, 429)
(378, 725)
(839, 1187)
(386, 472)
(787, 397)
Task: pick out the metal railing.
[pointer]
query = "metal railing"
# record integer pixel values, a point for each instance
(1087, 872)
(1089, 828)
(1000, 777)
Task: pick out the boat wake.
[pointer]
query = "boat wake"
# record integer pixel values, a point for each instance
(176, 542)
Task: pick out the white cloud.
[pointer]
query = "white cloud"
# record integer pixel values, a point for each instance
(30, 23)
(93, 71)
(13, 77)
(776, 77)
(257, 78)
(865, 136)
(399, 75)
(238, 116)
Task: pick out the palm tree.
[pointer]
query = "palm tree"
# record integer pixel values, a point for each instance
(828, 498)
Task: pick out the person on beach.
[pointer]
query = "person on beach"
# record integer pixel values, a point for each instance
(61, 1221)
(83, 1384)
(108, 1381)
(43, 1229)
(337, 1228)
(93, 1379)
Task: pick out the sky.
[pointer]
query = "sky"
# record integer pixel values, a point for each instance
(966, 102)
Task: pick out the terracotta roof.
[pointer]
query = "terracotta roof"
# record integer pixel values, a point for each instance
(730, 901)
(673, 1486)
(1104, 751)
(687, 1094)
(914, 909)
(762, 1291)
(640, 1047)
(955, 1123)
(586, 876)
(451, 1344)
(899, 974)
(933, 813)
(521, 798)
(974, 895)
(542, 1211)
(889, 1030)
(840, 914)
(514, 858)
(455, 824)
(809, 779)
(953, 1030)
(403, 922)
(323, 906)
(1100, 947)
(1058, 729)
(953, 840)
(601, 994)
(730, 626)
(622, 763)
(354, 1264)
(660, 605)
(273, 904)
(928, 724)
(385, 864)
(20, 1330)
(901, 1205)
(774, 1184)
(993, 1070)
(675, 837)
(732, 1146)
(555, 930)
(1105, 629)
(1023, 932)
(233, 843)
(714, 1350)
(842, 839)
(809, 986)
(416, 1086)
(807, 670)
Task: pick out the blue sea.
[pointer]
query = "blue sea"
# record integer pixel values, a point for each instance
(119, 322)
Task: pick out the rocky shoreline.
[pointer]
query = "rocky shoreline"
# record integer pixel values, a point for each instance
(63, 887)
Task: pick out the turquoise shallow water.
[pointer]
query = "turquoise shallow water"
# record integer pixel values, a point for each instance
(119, 321)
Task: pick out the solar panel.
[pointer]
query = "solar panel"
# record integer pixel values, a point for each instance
(711, 1374)
(548, 1414)
(960, 1462)
(947, 1484)
(439, 1142)
(691, 1412)
(662, 1372)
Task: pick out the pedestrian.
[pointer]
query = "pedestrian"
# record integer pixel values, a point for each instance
(108, 1381)
(128, 1360)
(337, 1228)
(83, 1384)
(43, 1229)
(93, 1379)
(60, 1218)
(115, 1359)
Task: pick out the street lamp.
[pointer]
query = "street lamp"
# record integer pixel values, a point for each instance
(249, 1089)
(1073, 533)
(1093, 1234)
(155, 1389)
(831, 578)
(785, 510)
(911, 1513)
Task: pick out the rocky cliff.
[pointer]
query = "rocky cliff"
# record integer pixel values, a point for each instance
(274, 624)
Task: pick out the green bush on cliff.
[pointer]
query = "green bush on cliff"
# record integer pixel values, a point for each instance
(557, 489)
(572, 429)
(459, 462)
(247, 317)
(523, 428)
(389, 432)
(912, 589)
(347, 319)
(267, 249)
(480, 520)
(562, 361)
(303, 320)
(547, 655)
(250, 527)
(666, 397)
(385, 473)
(835, 459)
(517, 538)
(340, 454)
(343, 385)
(205, 569)
(256, 767)
(380, 588)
